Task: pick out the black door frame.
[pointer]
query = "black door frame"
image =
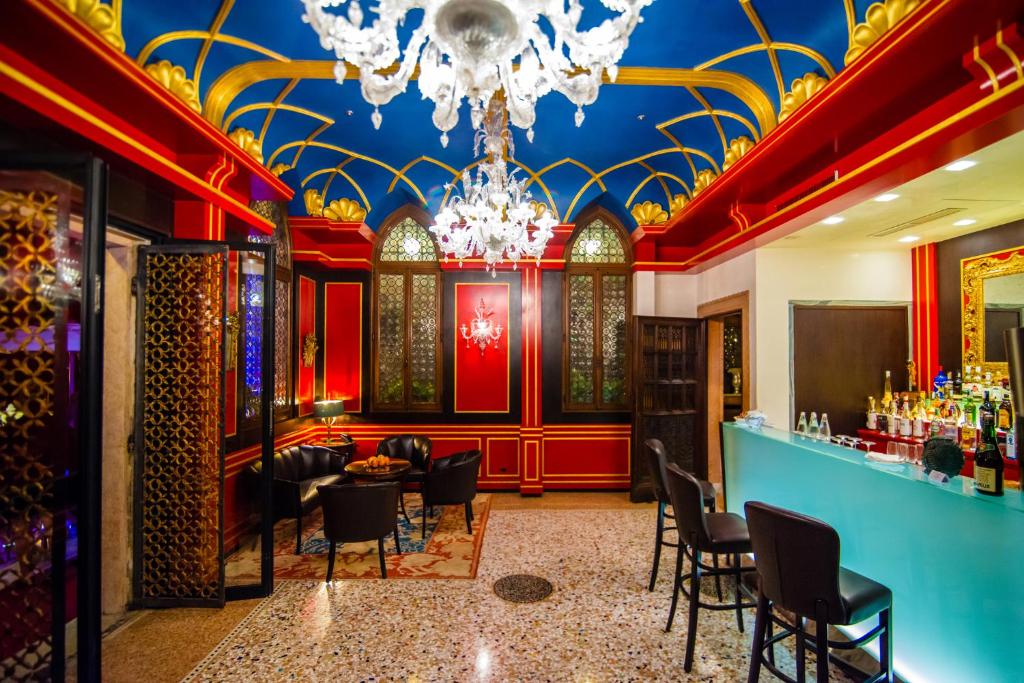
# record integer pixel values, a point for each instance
(92, 174)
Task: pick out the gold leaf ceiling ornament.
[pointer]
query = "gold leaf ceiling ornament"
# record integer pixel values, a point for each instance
(703, 181)
(345, 210)
(649, 213)
(246, 139)
(278, 169)
(174, 80)
(314, 202)
(737, 148)
(99, 17)
(803, 89)
(878, 20)
(678, 203)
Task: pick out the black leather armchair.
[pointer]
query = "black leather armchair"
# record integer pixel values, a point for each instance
(414, 448)
(355, 513)
(298, 470)
(452, 481)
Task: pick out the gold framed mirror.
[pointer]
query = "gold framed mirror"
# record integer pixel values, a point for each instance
(992, 299)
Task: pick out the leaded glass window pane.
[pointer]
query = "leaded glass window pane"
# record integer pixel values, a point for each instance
(423, 354)
(390, 337)
(282, 339)
(408, 241)
(613, 338)
(598, 243)
(581, 338)
(252, 294)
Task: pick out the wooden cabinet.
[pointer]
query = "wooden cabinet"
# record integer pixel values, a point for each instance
(669, 396)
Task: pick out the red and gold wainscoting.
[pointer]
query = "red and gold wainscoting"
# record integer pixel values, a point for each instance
(583, 456)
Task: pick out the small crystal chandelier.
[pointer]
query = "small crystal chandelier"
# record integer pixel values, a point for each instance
(474, 48)
(481, 330)
(491, 219)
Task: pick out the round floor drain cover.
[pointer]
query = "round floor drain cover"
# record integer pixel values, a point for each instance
(522, 588)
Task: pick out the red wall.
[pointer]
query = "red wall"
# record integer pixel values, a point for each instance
(472, 395)
(305, 379)
(343, 343)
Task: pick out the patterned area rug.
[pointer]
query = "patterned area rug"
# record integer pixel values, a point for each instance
(447, 552)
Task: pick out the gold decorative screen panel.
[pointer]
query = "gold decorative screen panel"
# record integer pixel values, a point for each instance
(179, 435)
(39, 273)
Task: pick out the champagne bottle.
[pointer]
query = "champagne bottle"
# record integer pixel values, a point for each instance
(887, 389)
(988, 464)
(872, 415)
(986, 409)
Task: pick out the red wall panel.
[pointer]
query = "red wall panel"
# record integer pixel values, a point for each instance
(343, 343)
(481, 378)
(305, 384)
(586, 456)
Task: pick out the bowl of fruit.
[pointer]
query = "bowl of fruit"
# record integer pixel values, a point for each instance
(378, 463)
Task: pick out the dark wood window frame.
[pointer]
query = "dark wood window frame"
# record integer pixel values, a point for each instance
(597, 271)
(407, 269)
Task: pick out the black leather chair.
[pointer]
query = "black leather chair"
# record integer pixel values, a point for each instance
(298, 470)
(414, 448)
(719, 533)
(798, 570)
(356, 513)
(657, 461)
(452, 481)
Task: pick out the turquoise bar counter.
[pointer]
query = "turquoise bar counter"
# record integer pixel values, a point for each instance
(953, 559)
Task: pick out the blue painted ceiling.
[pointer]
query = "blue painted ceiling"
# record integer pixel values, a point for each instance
(251, 60)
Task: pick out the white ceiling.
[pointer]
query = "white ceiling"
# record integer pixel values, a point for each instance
(991, 193)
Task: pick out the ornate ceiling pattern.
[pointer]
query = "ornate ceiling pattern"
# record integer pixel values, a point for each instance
(699, 86)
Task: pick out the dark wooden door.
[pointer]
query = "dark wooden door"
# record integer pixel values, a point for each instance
(840, 355)
(669, 396)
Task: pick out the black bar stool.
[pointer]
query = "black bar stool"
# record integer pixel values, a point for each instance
(798, 570)
(719, 533)
(657, 459)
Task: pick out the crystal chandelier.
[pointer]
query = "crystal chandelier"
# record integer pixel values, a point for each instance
(473, 48)
(492, 216)
(481, 330)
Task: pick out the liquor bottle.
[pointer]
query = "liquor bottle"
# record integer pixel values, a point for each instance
(920, 417)
(894, 419)
(986, 409)
(1004, 419)
(988, 464)
(812, 426)
(906, 421)
(872, 415)
(940, 382)
(887, 389)
(824, 431)
(970, 411)
(801, 425)
(958, 385)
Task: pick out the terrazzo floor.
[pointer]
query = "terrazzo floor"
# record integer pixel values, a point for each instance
(600, 624)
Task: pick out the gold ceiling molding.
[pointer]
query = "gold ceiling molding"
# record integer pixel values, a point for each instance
(236, 79)
(648, 213)
(703, 181)
(246, 139)
(678, 203)
(105, 20)
(538, 208)
(278, 169)
(345, 210)
(737, 148)
(880, 18)
(314, 202)
(802, 90)
(174, 80)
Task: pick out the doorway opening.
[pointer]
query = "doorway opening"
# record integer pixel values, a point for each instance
(729, 387)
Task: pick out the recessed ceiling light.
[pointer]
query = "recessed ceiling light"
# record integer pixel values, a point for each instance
(963, 222)
(833, 220)
(887, 197)
(961, 165)
(908, 238)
